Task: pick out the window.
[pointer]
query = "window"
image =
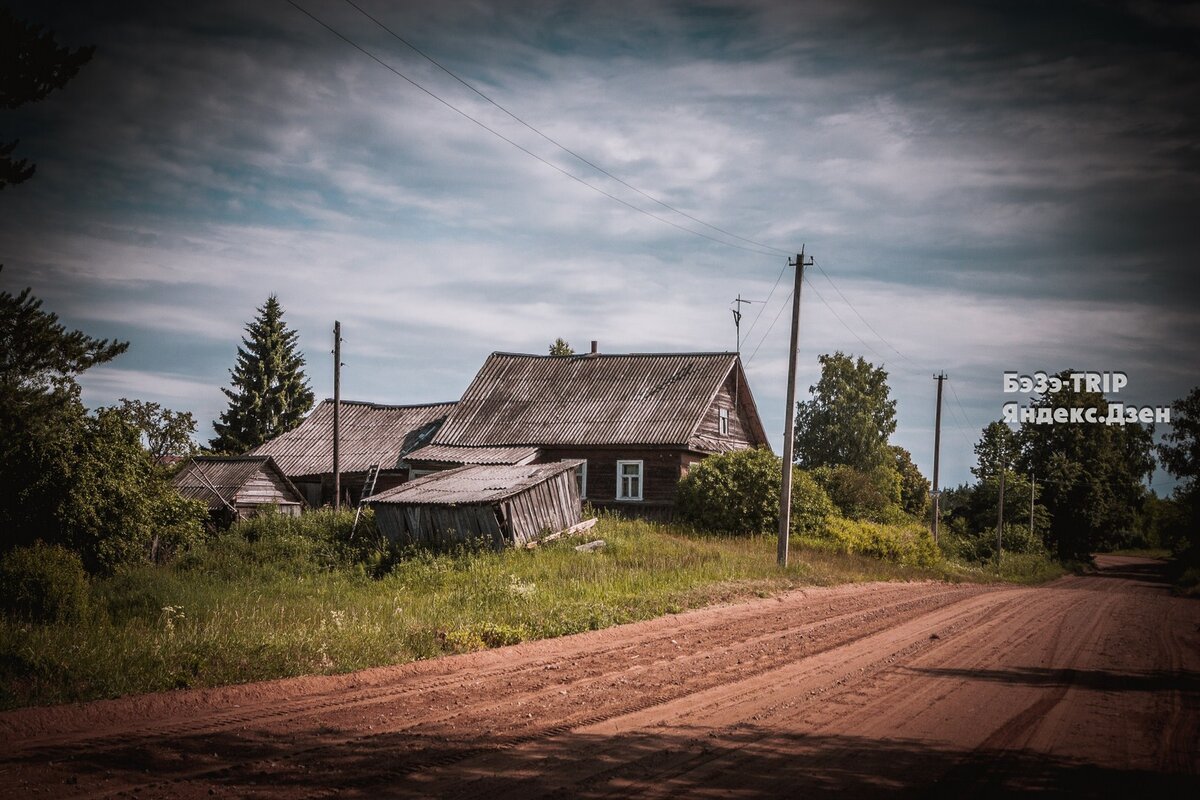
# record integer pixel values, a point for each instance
(413, 474)
(580, 478)
(723, 421)
(629, 480)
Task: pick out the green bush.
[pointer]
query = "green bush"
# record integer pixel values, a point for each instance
(909, 544)
(863, 494)
(738, 492)
(979, 546)
(43, 582)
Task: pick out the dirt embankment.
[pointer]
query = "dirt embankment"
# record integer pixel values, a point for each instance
(1087, 686)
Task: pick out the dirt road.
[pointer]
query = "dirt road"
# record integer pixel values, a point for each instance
(1087, 686)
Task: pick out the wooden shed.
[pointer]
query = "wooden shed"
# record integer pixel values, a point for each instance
(510, 505)
(236, 487)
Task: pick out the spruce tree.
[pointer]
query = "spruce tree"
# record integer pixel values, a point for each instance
(270, 393)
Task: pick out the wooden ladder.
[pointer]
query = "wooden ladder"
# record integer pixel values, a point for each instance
(368, 489)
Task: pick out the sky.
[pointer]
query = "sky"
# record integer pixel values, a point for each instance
(983, 187)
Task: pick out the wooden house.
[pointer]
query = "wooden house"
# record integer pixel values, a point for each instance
(370, 434)
(637, 422)
(506, 505)
(237, 487)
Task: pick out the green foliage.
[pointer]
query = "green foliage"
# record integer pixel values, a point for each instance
(914, 487)
(849, 419)
(31, 66)
(738, 492)
(1091, 477)
(997, 445)
(116, 509)
(979, 546)
(270, 394)
(43, 582)
(907, 543)
(271, 545)
(863, 494)
(1180, 456)
(560, 347)
(163, 432)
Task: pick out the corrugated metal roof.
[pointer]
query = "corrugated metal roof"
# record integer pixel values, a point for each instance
(371, 433)
(588, 399)
(443, 453)
(472, 484)
(226, 474)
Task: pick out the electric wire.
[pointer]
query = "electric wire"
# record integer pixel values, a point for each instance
(767, 332)
(553, 141)
(770, 294)
(520, 147)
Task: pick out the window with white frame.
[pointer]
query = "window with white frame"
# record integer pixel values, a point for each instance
(581, 477)
(723, 421)
(629, 480)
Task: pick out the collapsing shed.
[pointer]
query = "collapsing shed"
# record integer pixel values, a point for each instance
(508, 505)
(236, 487)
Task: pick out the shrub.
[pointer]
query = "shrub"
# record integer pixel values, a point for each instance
(980, 545)
(863, 494)
(738, 492)
(43, 582)
(907, 543)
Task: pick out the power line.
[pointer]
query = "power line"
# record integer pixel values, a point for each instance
(870, 327)
(553, 141)
(523, 149)
(786, 301)
(839, 319)
(768, 300)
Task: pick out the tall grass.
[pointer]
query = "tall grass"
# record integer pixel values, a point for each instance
(282, 600)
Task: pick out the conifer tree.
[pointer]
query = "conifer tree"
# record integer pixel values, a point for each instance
(270, 393)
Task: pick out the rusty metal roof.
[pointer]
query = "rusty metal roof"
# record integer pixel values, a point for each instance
(371, 433)
(587, 400)
(472, 484)
(226, 474)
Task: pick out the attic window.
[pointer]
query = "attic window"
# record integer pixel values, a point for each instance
(723, 421)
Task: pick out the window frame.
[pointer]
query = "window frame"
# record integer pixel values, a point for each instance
(641, 480)
(723, 421)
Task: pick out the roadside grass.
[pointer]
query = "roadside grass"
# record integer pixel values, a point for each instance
(238, 610)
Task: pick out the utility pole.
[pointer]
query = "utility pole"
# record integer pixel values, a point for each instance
(1032, 494)
(789, 427)
(737, 318)
(337, 407)
(1000, 515)
(937, 451)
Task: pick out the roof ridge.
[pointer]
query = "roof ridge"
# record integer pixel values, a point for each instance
(390, 405)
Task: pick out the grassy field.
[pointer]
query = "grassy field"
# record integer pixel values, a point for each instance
(239, 610)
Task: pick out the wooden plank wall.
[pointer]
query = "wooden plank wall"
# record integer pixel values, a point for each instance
(548, 507)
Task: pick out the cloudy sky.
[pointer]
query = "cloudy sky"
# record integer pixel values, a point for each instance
(984, 187)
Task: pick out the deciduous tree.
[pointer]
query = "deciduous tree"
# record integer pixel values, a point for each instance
(850, 417)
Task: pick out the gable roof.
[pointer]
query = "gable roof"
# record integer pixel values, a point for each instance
(597, 399)
(472, 484)
(371, 433)
(227, 475)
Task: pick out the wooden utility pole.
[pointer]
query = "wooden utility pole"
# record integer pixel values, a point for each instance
(937, 451)
(1000, 516)
(337, 407)
(789, 427)
(1032, 494)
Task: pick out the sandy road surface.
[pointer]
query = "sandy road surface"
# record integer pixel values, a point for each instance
(1087, 686)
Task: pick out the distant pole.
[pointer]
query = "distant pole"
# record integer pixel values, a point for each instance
(937, 451)
(1000, 516)
(1032, 493)
(789, 428)
(337, 408)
